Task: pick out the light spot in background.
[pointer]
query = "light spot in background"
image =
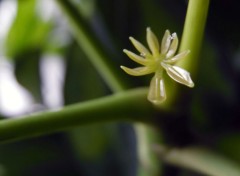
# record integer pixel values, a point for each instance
(8, 9)
(53, 66)
(14, 99)
(50, 9)
(52, 75)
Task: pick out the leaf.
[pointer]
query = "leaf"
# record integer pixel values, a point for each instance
(91, 142)
(27, 73)
(48, 156)
(28, 30)
(82, 82)
(200, 160)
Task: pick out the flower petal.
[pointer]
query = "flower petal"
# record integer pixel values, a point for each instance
(166, 41)
(177, 57)
(173, 47)
(157, 93)
(152, 42)
(178, 74)
(136, 57)
(139, 71)
(142, 49)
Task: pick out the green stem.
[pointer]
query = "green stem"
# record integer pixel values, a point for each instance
(191, 40)
(130, 106)
(92, 47)
(193, 33)
(101, 62)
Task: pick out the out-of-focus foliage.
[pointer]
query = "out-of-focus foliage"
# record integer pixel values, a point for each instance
(25, 41)
(28, 32)
(209, 117)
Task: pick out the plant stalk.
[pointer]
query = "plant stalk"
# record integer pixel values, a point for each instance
(90, 44)
(192, 38)
(193, 33)
(130, 106)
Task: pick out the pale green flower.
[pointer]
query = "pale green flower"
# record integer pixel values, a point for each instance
(159, 59)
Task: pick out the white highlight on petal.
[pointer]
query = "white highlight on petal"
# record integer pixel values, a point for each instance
(142, 49)
(173, 47)
(152, 42)
(177, 57)
(166, 41)
(178, 74)
(157, 93)
(139, 71)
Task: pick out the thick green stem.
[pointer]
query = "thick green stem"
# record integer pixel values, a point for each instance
(129, 106)
(193, 33)
(92, 47)
(191, 40)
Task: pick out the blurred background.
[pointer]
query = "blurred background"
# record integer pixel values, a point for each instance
(42, 67)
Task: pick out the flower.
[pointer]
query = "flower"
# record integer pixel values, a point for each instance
(156, 61)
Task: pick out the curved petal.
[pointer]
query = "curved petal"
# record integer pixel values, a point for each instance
(142, 49)
(166, 41)
(152, 42)
(177, 57)
(136, 57)
(178, 74)
(157, 93)
(173, 47)
(139, 71)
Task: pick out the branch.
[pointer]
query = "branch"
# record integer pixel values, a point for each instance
(130, 106)
(192, 38)
(92, 47)
(193, 33)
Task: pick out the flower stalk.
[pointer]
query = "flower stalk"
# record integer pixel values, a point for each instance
(193, 33)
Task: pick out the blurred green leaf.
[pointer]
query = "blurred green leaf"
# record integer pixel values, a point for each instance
(2, 170)
(42, 156)
(199, 159)
(27, 72)
(86, 7)
(28, 31)
(82, 82)
(213, 94)
(229, 145)
(92, 142)
(97, 144)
